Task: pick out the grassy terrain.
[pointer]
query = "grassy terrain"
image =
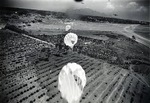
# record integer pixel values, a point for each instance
(104, 45)
(117, 67)
(143, 31)
(27, 78)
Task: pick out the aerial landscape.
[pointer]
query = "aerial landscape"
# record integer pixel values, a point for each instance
(114, 52)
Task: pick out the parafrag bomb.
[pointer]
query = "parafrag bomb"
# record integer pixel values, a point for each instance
(71, 82)
(68, 27)
(71, 39)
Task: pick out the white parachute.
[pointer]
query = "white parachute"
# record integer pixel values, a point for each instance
(70, 39)
(71, 81)
(68, 27)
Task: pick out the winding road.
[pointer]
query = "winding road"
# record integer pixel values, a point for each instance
(129, 32)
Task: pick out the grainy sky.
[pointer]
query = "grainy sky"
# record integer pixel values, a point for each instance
(128, 9)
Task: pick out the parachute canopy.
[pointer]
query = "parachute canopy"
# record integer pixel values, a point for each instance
(71, 81)
(71, 39)
(68, 27)
(69, 23)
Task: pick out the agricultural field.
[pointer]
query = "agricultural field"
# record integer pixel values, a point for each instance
(26, 79)
(32, 53)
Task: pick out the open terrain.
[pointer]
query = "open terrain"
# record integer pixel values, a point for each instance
(32, 54)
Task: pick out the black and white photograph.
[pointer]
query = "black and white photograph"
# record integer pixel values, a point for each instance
(75, 51)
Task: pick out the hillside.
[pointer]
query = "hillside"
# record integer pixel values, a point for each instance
(79, 14)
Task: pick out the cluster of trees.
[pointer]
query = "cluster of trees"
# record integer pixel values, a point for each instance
(111, 20)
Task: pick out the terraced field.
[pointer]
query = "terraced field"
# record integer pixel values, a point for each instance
(36, 82)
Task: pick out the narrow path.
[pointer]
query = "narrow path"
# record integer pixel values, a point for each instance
(96, 101)
(38, 40)
(120, 83)
(120, 96)
(129, 32)
(138, 77)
